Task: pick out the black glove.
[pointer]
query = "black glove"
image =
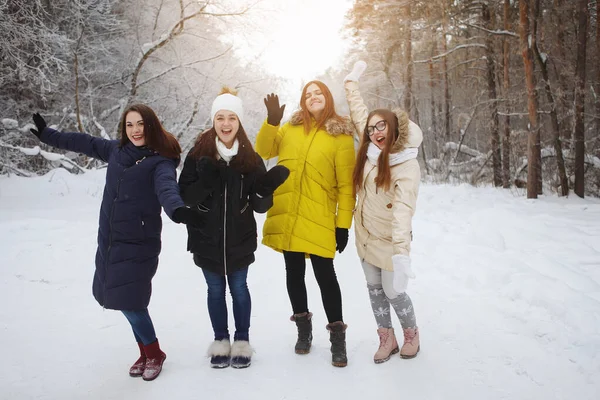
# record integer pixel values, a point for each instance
(274, 112)
(188, 216)
(40, 124)
(266, 184)
(341, 238)
(208, 172)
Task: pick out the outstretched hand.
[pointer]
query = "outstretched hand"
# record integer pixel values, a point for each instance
(266, 185)
(189, 216)
(359, 67)
(40, 124)
(274, 111)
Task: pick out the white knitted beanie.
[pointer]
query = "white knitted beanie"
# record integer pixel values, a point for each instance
(227, 101)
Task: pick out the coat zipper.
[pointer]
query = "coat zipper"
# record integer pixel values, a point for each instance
(241, 186)
(225, 229)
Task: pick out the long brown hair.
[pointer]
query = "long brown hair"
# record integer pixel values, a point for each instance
(157, 138)
(384, 175)
(246, 159)
(328, 111)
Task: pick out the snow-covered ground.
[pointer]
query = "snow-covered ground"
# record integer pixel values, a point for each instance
(507, 297)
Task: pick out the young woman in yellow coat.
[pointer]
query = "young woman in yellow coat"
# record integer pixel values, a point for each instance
(312, 210)
(386, 180)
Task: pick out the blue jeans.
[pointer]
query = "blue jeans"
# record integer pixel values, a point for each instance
(142, 326)
(217, 306)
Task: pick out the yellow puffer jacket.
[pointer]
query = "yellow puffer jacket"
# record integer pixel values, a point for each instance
(317, 196)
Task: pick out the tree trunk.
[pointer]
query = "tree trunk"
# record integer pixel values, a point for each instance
(532, 101)
(408, 96)
(597, 99)
(560, 161)
(492, 95)
(533, 20)
(432, 80)
(506, 138)
(564, 81)
(445, 74)
(578, 130)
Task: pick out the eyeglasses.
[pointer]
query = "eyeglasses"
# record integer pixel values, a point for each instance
(380, 126)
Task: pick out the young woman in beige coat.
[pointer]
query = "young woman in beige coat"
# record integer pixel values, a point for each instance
(386, 181)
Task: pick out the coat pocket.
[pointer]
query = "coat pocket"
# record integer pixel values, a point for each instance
(202, 208)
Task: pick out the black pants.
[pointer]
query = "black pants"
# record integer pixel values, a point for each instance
(295, 266)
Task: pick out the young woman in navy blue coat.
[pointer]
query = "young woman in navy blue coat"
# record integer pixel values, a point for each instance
(140, 178)
(226, 181)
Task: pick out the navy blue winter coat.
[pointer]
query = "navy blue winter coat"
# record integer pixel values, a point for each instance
(138, 182)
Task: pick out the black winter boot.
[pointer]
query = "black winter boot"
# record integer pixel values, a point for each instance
(304, 324)
(337, 337)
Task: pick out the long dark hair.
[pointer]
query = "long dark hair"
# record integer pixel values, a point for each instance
(328, 111)
(245, 161)
(157, 138)
(384, 175)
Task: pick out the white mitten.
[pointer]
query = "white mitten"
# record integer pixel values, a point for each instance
(402, 272)
(359, 67)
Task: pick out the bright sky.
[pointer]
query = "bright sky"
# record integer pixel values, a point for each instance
(299, 38)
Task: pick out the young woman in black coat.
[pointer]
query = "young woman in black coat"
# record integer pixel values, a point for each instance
(140, 179)
(226, 181)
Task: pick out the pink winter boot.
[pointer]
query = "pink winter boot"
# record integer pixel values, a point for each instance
(411, 345)
(387, 345)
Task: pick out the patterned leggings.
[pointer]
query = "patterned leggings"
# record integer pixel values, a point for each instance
(383, 298)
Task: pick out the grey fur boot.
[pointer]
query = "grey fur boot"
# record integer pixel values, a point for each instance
(337, 337)
(304, 324)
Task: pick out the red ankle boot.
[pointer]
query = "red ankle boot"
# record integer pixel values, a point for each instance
(154, 361)
(137, 369)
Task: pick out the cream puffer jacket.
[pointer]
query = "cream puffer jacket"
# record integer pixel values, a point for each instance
(383, 219)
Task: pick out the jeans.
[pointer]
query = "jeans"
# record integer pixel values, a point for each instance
(295, 266)
(217, 306)
(142, 326)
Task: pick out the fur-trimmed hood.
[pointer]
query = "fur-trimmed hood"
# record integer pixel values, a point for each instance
(403, 131)
(333, 126)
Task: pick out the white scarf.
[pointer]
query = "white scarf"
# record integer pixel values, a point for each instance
(225, 153)
(373, 153)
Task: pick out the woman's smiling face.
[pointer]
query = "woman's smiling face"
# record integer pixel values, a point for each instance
(227, 125)
(377, 129)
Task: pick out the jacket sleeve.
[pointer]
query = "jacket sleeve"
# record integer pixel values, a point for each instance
(191, 185)
(406, 190)
(358, 110)
(166, 188)
(260, 204)
(344, 166)
(80, 143)
(268, 139)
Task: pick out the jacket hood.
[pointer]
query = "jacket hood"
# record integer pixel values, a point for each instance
(333, 126)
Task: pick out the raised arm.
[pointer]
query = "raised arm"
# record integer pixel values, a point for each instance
(80, 142)
(270, 134)
(358, 110)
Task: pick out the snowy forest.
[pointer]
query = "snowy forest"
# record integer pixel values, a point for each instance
(505, 91)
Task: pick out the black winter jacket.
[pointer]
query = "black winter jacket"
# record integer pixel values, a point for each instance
(228, 239)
